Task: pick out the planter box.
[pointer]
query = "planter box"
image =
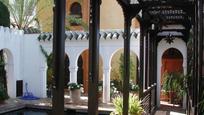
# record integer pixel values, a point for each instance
(75, 95)
(164, 96)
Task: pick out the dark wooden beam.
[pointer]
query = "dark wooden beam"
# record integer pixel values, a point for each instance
(149, 70)
(194, 61)
(126, 76)
(175, 3)
(59, 55)
(151, 73)
(195, 72)
(94, 21)
(155, 63)
(137, 70)
(129, 12)
(146, 81)
(141, 66)
(201, 53)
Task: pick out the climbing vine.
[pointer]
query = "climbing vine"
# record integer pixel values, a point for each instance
(49, 60)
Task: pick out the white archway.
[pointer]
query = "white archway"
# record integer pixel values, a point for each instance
(133, 54)
(83, 65)
(178, 44)
(107, 55)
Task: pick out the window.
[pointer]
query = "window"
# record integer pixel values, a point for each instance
(75, 10)
(76, 14)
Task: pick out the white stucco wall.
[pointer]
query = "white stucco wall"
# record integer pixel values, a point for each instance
(26, 61)
(10, 42)
(34, 66)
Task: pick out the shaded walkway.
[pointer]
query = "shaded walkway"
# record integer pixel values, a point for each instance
(169, 109)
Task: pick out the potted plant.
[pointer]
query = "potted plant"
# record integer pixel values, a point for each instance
(3, 94)
(134, 88)
(135, 107)
(75, 92)
(174, 85)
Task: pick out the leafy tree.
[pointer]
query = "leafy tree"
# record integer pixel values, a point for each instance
(3, 81)
(49, 60)
(23, 12)
(3, 93)
(4, 16)
(132, 68)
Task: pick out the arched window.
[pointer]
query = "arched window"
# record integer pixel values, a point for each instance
(75, 9)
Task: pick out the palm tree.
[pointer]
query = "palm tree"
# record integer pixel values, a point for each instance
(23, 12)
(4, 16)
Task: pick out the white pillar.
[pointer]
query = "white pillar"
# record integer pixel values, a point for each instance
(184, 73)
(11, 81)
(159, 65)
(44, 81)
(106, 84)
(73, 74)
(185, 66)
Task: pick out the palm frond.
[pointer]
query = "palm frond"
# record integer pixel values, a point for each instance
(23, 12)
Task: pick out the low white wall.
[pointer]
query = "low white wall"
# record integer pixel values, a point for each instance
(10, 42)
(33, 67)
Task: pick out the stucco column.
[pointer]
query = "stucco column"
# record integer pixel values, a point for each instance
(159, 65)
(184, 73)
(106, 84)
(185, 66)
(44, 81)
(11, 80)
(73, 74)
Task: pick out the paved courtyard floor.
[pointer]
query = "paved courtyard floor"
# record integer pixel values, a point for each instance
(169, 109)
(45, 103)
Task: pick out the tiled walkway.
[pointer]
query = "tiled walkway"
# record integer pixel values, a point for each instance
(167, 109)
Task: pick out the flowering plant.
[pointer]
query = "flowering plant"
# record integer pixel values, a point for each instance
(73, 86)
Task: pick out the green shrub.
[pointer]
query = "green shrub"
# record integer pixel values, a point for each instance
(4, 16)
(134, 87)
(3, 93)
(73, 86)
(175, 82)
(201, 103)
(135, 107)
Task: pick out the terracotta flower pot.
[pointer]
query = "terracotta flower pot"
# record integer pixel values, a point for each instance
(171, 96)
(75, 95)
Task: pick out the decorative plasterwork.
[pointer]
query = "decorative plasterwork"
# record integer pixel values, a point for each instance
(80, 35)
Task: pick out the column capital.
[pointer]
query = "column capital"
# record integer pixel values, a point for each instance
(73, 68)
(107, 68)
